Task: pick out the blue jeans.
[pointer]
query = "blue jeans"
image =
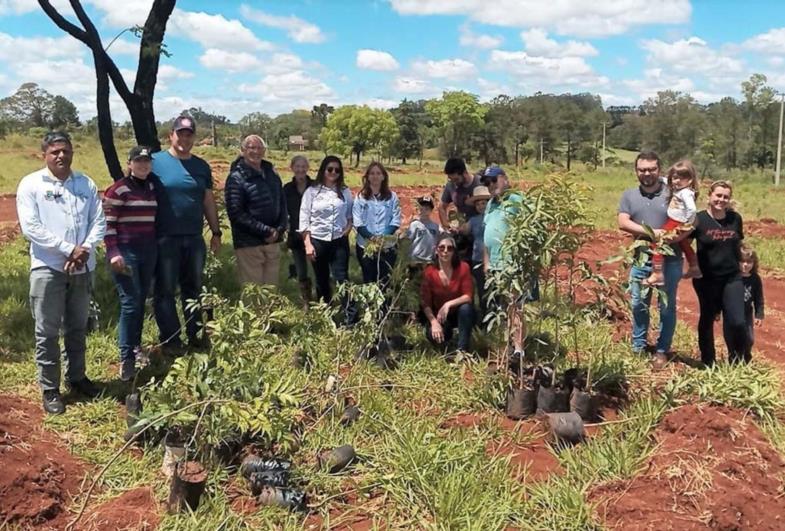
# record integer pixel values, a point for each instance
(132, 288)
(463, 318)
(180, 263)
(377, 269)
(59, 300)
(640, 305)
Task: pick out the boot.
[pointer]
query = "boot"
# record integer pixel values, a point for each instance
(305, 292)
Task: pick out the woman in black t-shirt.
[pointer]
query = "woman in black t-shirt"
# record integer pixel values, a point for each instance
(718, 233)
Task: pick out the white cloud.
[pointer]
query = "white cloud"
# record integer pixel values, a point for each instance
(296, 28)
(376, 60)
(291, 90)
(533, 71)
(123, 47)
(772, 42)
(379, 103)
(615, 99)
(655, 80)
(170, 73)
(477, 40)
(216, 59)
(411, 85)
(215, 31)
(691, 55)
(566, 17)
(491, 89)
(537, 42)
(17, 50)
(20, 7)
(123, 14)
(447, 68)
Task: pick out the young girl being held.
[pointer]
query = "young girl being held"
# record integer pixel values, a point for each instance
(753, 294)
(684, 184)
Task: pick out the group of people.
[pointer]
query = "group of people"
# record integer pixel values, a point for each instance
(723, 268)
(152, 220)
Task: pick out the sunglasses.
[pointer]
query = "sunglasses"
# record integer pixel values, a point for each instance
(445, 247)
(332, 169)
(491, 179)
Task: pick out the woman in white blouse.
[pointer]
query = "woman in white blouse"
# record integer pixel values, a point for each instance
(325, 222)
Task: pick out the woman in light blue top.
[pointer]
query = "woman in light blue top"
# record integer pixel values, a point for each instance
(376, 214)
(325, 223)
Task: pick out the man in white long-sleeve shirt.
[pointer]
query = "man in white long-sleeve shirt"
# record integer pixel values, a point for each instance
(60, 213)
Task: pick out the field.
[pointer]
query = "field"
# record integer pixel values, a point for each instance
(675, 449)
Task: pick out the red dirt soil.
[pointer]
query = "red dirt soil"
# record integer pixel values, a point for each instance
(39, 475)
(134, 510)
(530, 460)
(713, 469)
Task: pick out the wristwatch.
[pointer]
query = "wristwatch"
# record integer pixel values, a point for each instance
(216, 232)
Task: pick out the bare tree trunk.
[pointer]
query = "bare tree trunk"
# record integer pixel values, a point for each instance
(139, 102)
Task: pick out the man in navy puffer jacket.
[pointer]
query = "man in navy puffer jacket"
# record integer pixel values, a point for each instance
(256, 206)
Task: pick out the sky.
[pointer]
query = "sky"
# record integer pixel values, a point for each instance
(233, 58)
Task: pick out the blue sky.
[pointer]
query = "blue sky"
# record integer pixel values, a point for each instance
(233, 58)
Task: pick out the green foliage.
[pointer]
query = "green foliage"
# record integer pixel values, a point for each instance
(457, 117)
(32, 106)
(355, 130)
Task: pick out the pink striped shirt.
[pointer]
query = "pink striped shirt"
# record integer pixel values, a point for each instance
(129, 206)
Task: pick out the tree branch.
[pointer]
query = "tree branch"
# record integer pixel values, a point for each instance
(62, 23)
(94, 42)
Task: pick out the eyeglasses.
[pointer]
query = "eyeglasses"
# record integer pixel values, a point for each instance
(445, 247)
(332, 169)
(491, 179)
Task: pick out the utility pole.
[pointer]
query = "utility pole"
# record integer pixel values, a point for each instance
(779, 142)
(540, 151)
(603, 144)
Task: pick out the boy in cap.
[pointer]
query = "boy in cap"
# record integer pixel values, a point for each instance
(422, 232)
(130, 205)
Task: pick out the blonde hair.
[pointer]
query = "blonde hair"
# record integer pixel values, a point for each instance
(748, 254)
(685, 167)
(723, 184)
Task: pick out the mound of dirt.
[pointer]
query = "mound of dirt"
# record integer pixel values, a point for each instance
(39, 476)
(764, 228)
(135, 510)
(714, 469)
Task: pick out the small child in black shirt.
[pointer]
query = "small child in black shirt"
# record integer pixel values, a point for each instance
(753, 294)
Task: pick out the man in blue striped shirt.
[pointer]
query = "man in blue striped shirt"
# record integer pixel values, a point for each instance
(60, 214)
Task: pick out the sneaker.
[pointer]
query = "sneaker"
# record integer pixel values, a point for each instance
(659, 361)
(86, 388)
(53, 403)
(127, 370)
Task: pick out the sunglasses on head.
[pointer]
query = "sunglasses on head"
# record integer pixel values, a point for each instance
(332, 169)
(446, 247)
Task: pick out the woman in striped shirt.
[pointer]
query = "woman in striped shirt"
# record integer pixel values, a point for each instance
(130, 207)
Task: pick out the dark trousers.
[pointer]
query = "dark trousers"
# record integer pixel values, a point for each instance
(727, 295)
(749, 319)
(377, 268)
(132, 288)
(180, 263)
(461, 317)
(299, 261)
(331, 257)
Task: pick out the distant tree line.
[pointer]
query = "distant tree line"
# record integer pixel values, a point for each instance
(557, 128)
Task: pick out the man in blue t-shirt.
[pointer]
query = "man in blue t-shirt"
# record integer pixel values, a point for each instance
(185, 198)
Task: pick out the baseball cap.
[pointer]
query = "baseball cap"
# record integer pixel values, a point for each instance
(139, 152)
(493, 171)
(184, 122)
(425, 200)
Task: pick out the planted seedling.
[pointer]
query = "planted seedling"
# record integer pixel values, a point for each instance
(188, 482)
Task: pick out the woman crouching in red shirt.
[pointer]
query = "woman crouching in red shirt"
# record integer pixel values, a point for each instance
(446, 294)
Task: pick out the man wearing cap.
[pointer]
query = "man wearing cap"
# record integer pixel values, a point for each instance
(60, 214)
(130, 206)
(500, 207)
(185, 198)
